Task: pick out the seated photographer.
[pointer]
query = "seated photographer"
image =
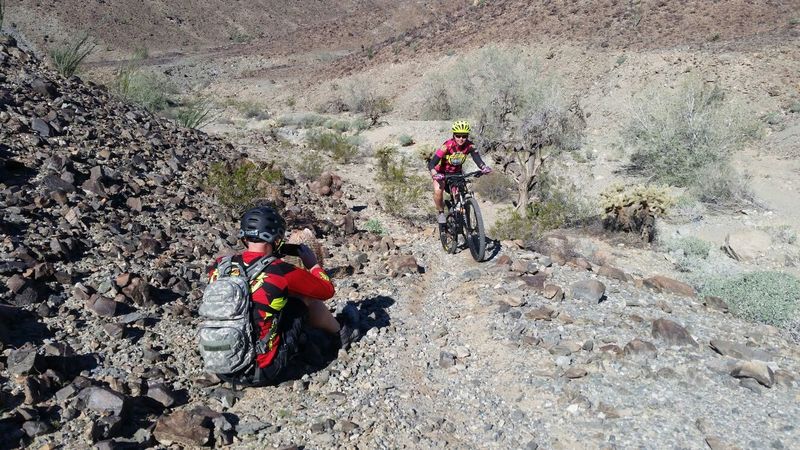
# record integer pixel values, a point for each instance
(284, 296)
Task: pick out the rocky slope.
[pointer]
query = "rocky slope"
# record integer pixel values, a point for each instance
(106, 232)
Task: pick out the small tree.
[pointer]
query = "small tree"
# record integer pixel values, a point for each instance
(523, 117)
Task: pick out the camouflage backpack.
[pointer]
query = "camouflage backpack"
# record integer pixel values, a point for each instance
(228, 343)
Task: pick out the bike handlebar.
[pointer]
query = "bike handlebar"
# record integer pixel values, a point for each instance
(475, 174)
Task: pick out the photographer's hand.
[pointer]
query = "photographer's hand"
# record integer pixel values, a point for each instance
(307, 256)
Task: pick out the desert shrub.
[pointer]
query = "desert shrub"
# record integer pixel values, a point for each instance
(405, 140)
(784, 234)
(559, 204)
(513, 224)
(687, 208)
(384, 158)
(425, 152)
(236, 185)
(68, 58)
(310, 165)
(337, 125)
(239, 37)
(495, 187)
(690, 246)
(2, 12)
(794, 107)
(249, 109)
(722, 186)
(689, 253)
(134, 84)
(360, 96)
(196, 113)
(522, 117)
(304, 120)
(341, 148)
(359, 124)
(374, 226)
(768, 297)
(634, 208)
(683, 137)
(400, 191)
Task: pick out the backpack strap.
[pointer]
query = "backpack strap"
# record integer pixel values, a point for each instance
(255, 268)
(253, 271)
(224, 266)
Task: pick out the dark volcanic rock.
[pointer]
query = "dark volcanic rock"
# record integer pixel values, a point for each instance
(104, 400)
(24, 360)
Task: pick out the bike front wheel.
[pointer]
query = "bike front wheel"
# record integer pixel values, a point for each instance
(474, 233)
(449, 236)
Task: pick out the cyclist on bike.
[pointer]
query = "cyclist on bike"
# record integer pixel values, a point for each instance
(448, 160)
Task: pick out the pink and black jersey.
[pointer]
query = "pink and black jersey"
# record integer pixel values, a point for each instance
(449, 158)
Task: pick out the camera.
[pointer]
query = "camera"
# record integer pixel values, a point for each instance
(289, 249)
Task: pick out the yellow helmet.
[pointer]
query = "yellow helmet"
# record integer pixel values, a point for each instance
(461, 127)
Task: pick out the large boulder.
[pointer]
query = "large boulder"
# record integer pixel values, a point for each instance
(747, 245)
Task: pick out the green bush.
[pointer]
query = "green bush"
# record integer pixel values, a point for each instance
(337, 125)
(248, 109)
(302, 120)
(690, 246)
(399, 191)
(512, 224)
(68, 58)
(768, 297)
(135, 85)
(559, 205)
(310, 165)
(405, 140)
(341, 148)
(237, 185)
(374, 226)
(195, 114)
(495, 187)
(722, 186)
(683, 137)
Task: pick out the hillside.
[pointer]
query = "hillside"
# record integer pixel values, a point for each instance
(577, 338)
(274, 26)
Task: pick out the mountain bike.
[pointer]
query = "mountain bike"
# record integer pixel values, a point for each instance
(463, 217)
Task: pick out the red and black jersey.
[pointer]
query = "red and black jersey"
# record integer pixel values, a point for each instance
(273, 288)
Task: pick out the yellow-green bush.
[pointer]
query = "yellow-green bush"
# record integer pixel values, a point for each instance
(400, 191)
(341, 148)
(236, 185)
(634, 208)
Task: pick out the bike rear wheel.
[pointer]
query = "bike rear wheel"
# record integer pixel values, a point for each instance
(449, 236)
(474, 232)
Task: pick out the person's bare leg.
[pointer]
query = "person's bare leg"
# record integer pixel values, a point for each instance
(438, 195)
(319, 316)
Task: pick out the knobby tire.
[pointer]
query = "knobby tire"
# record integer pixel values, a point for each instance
(474, 233)
(449, 237)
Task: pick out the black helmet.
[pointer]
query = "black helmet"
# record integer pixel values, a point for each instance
(262, 224)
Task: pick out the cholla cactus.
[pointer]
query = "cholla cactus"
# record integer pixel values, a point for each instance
(635, 208)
